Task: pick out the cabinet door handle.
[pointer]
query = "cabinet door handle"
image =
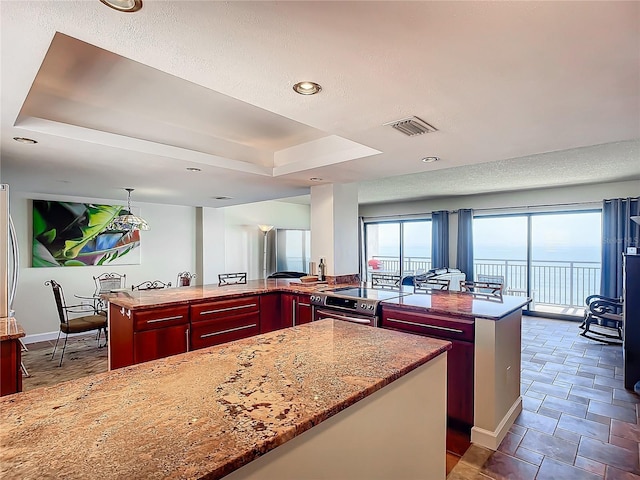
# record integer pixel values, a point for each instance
(125, 312)
(425, 325)
(165, 319)
(293, 312)
(187, 334)
(239, 307)
(228, 331)
(300, 304)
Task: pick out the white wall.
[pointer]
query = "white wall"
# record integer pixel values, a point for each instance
(529, 200)
(244, 241)
(166, 249)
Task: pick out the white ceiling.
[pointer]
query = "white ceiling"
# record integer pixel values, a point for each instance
(522, 94)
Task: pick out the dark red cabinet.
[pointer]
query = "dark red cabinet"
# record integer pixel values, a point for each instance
(295, 309)
(460, 359)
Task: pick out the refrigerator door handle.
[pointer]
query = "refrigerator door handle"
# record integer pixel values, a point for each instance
(16, 261)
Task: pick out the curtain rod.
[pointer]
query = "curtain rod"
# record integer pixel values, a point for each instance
(419, 215)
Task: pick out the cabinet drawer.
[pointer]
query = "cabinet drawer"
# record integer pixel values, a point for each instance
(429, 324)
(160, 317)
(214, 332)
(160, 343)
(224, 308)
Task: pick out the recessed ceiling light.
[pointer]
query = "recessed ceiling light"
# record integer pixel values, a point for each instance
(29, 141)
(315, 179)
(222, 198)
(194, 169)
(430, 159)
(307, 88)
(124, 5)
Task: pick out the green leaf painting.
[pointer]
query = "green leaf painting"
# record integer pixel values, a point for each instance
(75, 234)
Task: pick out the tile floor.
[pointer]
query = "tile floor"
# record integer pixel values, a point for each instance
(578, 421)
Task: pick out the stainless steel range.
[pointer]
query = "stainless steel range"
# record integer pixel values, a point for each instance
(351, 304)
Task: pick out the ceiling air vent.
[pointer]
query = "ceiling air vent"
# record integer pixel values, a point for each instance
(412, 126)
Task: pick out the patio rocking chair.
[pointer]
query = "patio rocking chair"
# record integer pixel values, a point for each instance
(603, 319)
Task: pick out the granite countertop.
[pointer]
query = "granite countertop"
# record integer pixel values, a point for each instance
(461, 304)
(10, 329)
(206, 412)
(183, 295)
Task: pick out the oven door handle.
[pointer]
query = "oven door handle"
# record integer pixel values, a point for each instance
(342, 317)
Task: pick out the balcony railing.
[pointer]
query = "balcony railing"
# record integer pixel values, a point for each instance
(411, 266)
(553, 282)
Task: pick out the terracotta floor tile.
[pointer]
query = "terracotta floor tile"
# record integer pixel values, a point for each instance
(591, 393)
(582, 426)
(581, 360)
(529, 456)
(536, 421)
(501, 466)
(535, 375)
(616, 474)
(574, 379)
(565, 406)
(476, 456)
(550, 446)
(567, 435)
(555, 390)
(553, 470)
(625, 430)
(612, 411)
(531, 404)
(532, 394)
(594, 417)
(518, 430)
(627, 443)
(547, 412)
(510, 443)
(625, 395)
(618, 457)
(590, 465)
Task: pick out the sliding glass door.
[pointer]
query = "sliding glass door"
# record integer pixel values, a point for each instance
(554, 258)
(398, 247)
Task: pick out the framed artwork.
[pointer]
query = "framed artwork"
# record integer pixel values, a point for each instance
(70, 234)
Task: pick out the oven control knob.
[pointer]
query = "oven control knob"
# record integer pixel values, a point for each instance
(370, 307)
(363, 306)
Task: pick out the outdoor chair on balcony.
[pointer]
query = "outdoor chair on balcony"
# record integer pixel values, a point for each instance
(385, 281)
(486, 288)
(428, 285)
(603, 319)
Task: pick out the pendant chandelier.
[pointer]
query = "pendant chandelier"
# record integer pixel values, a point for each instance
(128, 222)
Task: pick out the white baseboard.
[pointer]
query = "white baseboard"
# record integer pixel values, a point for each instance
(44, 337)
(490, 439)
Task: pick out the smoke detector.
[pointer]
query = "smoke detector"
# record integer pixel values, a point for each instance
(412, 126)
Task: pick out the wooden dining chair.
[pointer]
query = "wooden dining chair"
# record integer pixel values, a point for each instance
(151, 285)
(83, 323)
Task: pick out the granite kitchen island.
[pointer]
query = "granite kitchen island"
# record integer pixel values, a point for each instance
(328, 399)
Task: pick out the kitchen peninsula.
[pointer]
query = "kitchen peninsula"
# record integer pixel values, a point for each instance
(329, 399)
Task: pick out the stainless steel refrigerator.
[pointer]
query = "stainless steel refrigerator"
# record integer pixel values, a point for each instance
(8, 256)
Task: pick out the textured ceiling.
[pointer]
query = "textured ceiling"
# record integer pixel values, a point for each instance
(523, 94)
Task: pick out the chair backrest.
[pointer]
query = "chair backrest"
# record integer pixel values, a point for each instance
(232, 278)
(425, 284)
(185, 278)
(58, 295)
(490, 278)
(149, 285)
(385, 281)
(487, 288)
(105, 282)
